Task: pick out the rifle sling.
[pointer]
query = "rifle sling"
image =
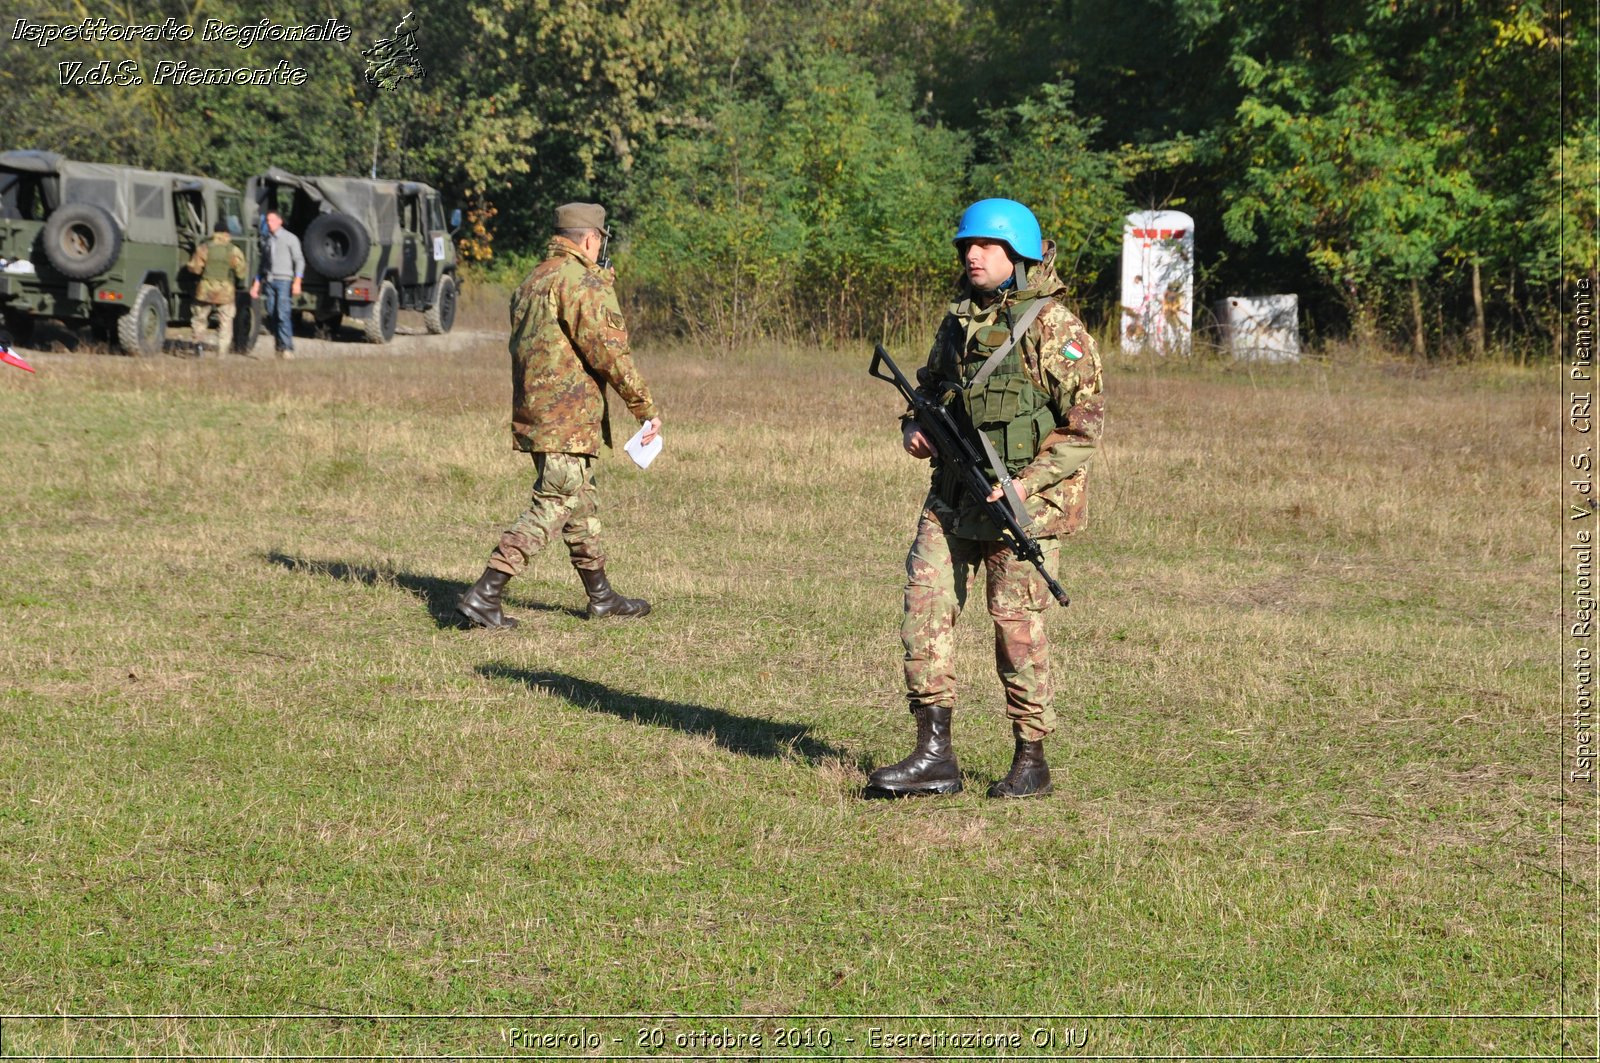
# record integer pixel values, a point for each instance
(1013, 500)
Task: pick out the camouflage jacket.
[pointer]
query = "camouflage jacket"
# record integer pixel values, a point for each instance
(1064, 363)
(568, 341)
(211, 290)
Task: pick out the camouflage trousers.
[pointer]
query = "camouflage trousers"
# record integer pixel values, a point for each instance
(938, 571)
(565, 499)
(200, 316)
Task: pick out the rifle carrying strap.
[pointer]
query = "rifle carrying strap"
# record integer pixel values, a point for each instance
(1004, 349)
(1003, 479)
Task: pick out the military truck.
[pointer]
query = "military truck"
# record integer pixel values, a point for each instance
(107, 245)
(372, 248)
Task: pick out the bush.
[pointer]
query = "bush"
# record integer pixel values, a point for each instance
(817, 204)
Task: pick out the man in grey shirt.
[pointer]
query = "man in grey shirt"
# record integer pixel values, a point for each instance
(283, 267)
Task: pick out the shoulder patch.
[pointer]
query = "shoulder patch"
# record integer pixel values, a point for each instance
(1073, 351)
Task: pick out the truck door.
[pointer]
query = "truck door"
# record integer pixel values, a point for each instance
(438, 238)
(192, 231)
(23, 210)
(413, 267)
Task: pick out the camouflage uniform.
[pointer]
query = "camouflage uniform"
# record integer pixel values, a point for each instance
(1058, 357)
(221, 267)
(568, 341)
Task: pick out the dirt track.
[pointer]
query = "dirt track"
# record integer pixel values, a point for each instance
(411, 337)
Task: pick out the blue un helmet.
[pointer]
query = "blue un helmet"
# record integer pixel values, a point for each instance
(1005, 220)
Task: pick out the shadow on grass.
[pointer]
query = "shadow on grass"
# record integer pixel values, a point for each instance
(439, 595)
(748, 735)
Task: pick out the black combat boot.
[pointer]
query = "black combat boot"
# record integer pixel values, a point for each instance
(1029, 775)
(481, 604)
(930, 769)
(603, 601)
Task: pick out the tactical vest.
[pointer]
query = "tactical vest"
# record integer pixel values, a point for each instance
(1008, 407)
(217, 269)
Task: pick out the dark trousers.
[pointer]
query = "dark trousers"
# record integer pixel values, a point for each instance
(280, 312)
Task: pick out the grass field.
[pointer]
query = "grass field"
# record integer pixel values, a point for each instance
(1308, 765)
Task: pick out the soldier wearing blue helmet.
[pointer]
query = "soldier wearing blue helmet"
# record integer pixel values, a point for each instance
(1022, 370)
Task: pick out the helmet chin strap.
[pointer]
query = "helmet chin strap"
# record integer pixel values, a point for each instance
(1018, 281)
(1019, 275)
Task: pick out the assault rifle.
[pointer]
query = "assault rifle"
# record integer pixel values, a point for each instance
(955, 450)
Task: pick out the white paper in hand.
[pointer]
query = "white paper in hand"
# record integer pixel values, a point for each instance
(641, 452)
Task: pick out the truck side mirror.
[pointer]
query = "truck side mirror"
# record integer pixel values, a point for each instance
(455, 219)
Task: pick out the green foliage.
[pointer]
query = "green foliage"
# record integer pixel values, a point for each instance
(544, 102)
(819, 204)
(1571, 209)
(1390, 146)
(1363, 196)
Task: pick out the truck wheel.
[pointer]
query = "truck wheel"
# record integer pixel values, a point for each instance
(81, 240)
(336, 245)
(442, 314)
(143, 329)
(380, 323)
(248, 318)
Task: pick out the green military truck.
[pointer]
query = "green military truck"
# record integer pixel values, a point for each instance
(107, 245)
(372, 248)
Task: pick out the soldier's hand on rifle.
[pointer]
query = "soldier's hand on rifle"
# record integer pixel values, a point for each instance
(1022, 492)
(652, 431)
(916, 444)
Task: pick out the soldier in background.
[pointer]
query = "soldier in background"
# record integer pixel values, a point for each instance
(222, 271)
(568, 341)
(1040, 404)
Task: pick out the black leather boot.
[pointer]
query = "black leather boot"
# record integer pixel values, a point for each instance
(1029, 775)
(930, 769)
(603, 601)
(481, 604)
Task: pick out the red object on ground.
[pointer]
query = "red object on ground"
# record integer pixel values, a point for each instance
(12, 359)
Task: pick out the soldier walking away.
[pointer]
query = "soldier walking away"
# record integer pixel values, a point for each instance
(222, 271)
(1015, 365)
(568, 342)
(283, 267)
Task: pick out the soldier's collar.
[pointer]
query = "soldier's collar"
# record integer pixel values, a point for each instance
(561, 245)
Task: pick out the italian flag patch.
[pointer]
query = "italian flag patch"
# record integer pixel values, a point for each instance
(1074, 352)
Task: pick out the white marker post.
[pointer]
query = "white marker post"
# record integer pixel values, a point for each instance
(1261, 328)
(1157, 282)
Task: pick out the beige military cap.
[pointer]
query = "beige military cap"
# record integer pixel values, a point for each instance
(582, 216)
